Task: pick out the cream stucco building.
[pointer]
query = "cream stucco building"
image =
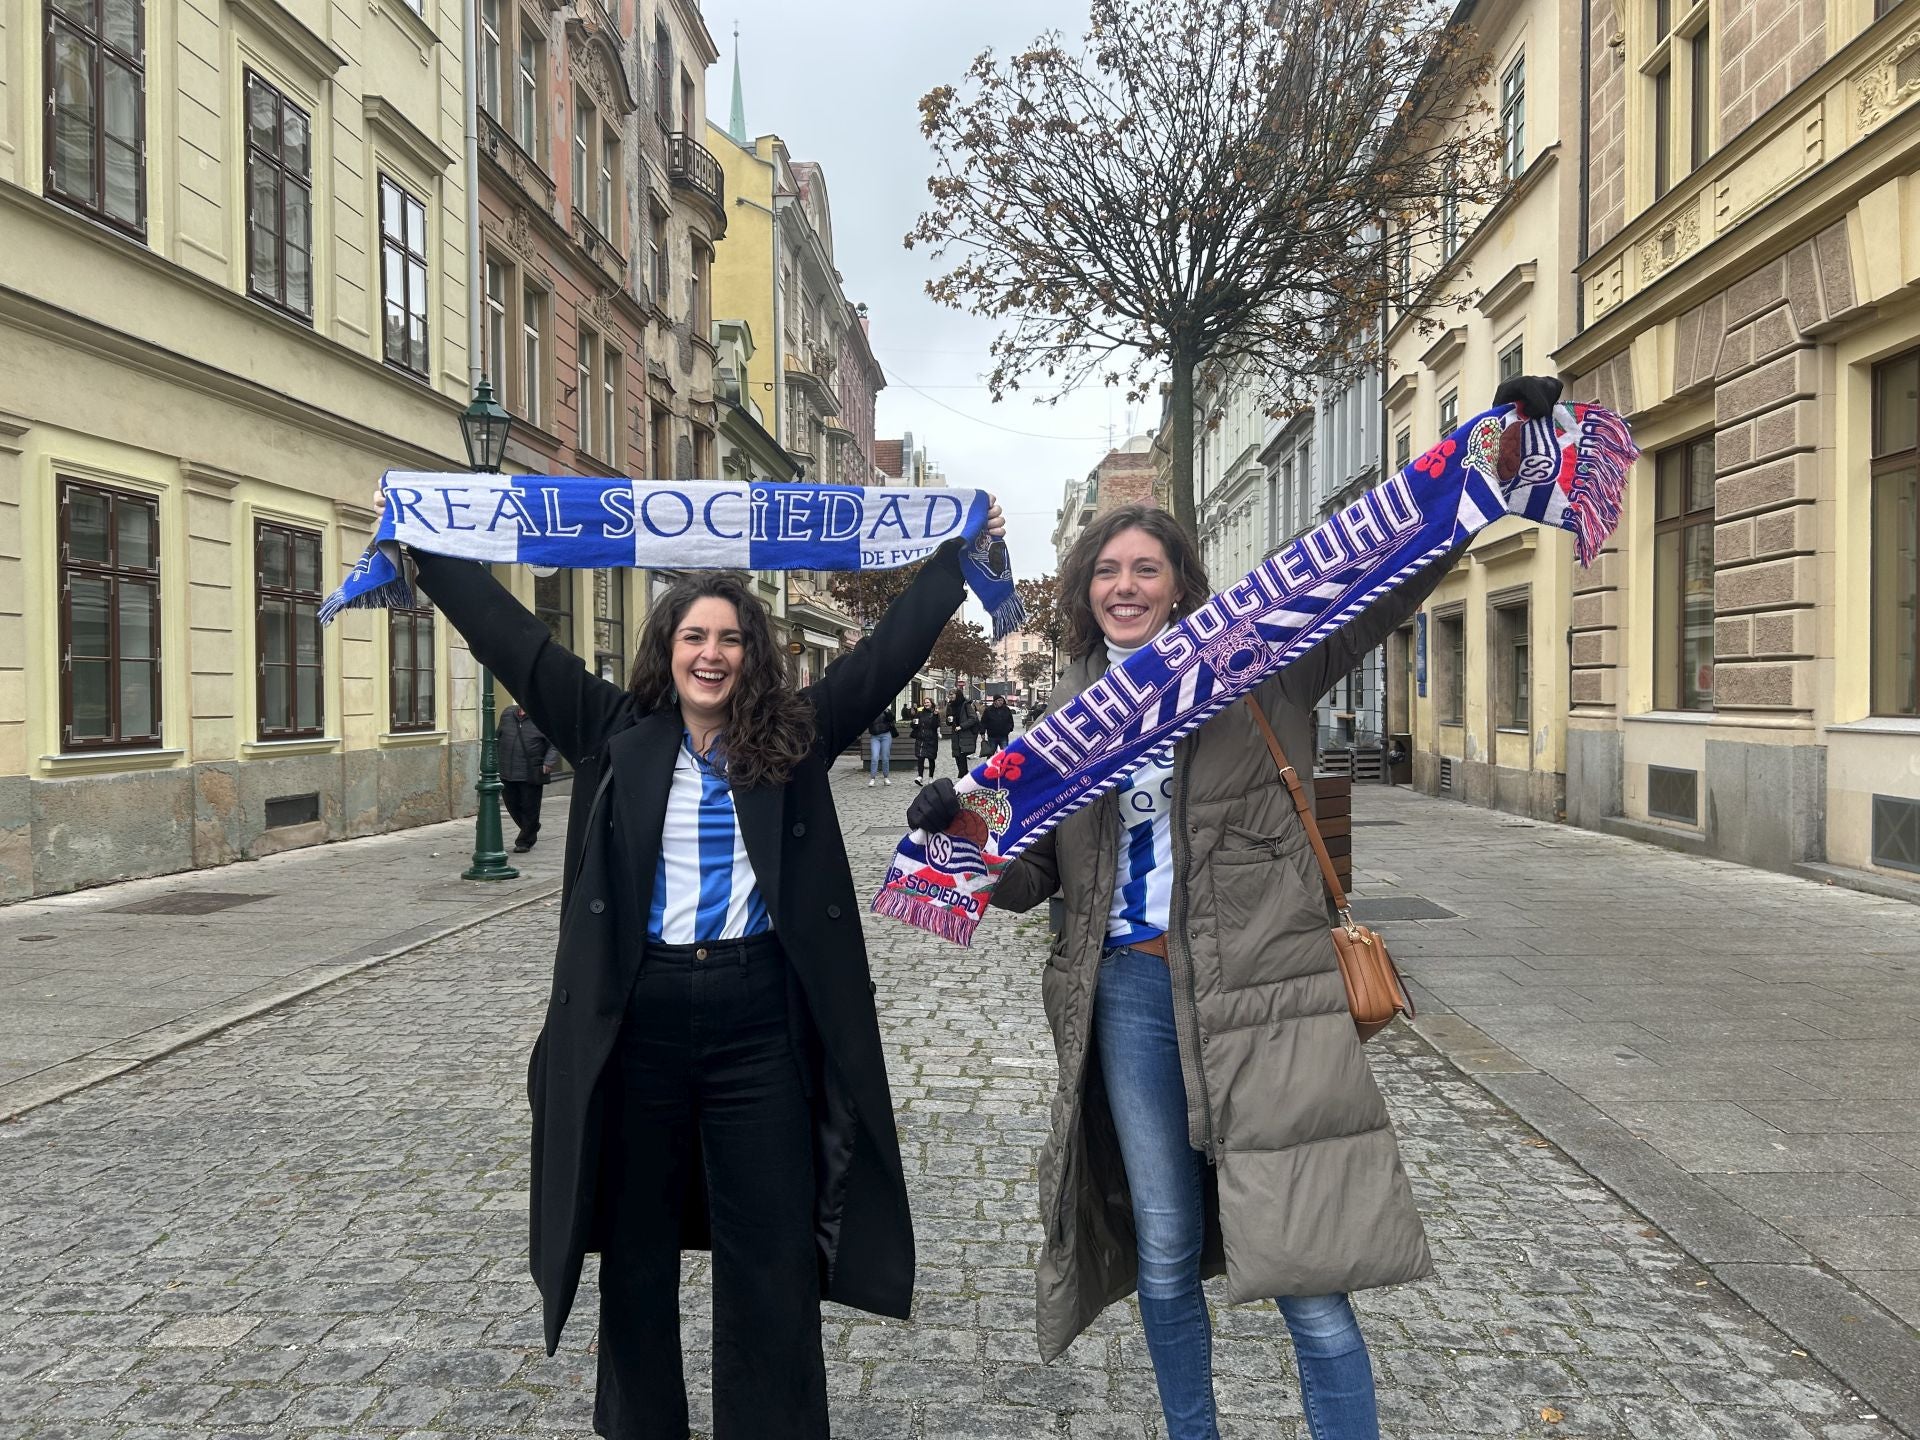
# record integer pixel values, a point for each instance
(1479, 678)
(1746, 658)
(233, 290)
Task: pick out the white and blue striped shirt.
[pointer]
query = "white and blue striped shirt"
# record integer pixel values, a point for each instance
(1143, 890)
(704, 887)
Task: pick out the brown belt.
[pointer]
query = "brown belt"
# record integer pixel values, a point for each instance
(1156, 946)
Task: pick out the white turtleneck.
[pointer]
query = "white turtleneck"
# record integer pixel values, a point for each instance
(1143, 889)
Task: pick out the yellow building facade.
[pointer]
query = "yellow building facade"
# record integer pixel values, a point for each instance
(233, 291)
(1478, 681)
(1746, 662)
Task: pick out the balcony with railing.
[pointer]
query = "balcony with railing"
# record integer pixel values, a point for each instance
(691, 165)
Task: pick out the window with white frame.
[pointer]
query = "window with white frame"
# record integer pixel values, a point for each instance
(1513, 118)
(403, 277)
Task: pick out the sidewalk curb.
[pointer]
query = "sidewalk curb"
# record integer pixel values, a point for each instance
(1865, 1346)
(121, 1056)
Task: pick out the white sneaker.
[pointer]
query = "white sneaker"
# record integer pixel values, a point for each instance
(869, 782)
(889, 780)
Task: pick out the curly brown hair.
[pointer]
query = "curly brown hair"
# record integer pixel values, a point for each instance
(770, 726)
(1079, 626)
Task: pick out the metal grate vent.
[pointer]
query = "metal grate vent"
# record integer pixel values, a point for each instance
(1446, 776)
(1896, 832)
(285, 810)
(188, 902)
(1673, 794)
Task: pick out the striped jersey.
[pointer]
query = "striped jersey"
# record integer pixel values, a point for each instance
(1143, 890)
(704, 887)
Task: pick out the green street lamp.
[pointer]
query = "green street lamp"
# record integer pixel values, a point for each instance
(483, 426)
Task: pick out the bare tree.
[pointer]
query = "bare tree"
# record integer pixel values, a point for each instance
(1206, 180)
(964, 649)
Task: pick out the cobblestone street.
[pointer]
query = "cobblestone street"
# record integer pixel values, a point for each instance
(313, 1225)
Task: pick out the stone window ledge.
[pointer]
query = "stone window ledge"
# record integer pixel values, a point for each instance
(106, 762)
(1878, 725)
(263, 749)
(396, 738)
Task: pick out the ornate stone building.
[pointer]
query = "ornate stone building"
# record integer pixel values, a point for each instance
(233, 291)
(601, 208)
(1746, 656)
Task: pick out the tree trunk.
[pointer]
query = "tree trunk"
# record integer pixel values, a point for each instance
(1180, 468)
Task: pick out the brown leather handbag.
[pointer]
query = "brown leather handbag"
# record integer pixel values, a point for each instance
(1374, 992)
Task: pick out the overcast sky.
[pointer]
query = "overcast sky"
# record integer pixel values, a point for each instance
(840, 81)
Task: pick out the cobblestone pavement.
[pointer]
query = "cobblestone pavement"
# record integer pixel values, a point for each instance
(313, 1225)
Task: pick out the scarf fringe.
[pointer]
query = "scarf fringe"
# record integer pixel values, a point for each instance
(924, 914)
(1009, 617)
(393, 595)
(1606, 455)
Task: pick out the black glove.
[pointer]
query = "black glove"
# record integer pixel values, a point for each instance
(1536, 395)
(934, 808)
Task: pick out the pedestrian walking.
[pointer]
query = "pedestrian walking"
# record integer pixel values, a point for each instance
(926, 741)
(1215, 1112)
(710, 1071)
(527, 763)
(963, 728)
(997, 723)
(880, 737)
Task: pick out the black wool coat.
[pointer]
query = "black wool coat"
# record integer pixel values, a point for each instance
(623, 761)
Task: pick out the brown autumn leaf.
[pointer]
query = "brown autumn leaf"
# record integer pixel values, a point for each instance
(1551, 1415)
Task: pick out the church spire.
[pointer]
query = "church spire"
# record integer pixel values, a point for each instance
(737, 121)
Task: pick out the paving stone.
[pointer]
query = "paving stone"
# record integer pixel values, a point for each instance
(312, 1227)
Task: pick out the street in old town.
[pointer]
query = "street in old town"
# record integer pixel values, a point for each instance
(312, 1223)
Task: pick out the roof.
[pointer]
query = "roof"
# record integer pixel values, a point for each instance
(886, 454)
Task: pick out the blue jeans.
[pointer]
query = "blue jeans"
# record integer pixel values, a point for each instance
(882, 758)
(1140, 1062)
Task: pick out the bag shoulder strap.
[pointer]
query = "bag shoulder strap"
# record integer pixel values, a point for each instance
(1302, 806)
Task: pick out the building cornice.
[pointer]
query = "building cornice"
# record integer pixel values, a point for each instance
(290, 30)
(409, 139)
(1508, 291)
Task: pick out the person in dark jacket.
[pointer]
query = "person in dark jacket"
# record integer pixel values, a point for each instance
(527, 763)
(965, 728)
(710, 1073)
(881, 733)
(926, 741)
(997, 722)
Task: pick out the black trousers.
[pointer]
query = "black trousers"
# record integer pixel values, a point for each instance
(705, 1050)
(522, 799)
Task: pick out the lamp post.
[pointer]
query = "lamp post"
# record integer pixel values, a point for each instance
(483, 426)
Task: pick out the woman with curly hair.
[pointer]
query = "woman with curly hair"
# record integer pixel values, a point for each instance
(710, 1073)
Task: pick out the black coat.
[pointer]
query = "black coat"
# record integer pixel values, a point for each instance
(926, 734)
(965, 726)
(525, 754)
(624, 763)
(997, 721)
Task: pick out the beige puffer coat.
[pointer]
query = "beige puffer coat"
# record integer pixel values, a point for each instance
(1306, 1194)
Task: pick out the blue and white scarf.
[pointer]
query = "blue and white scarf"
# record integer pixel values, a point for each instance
(583, 522)
(1568, 470)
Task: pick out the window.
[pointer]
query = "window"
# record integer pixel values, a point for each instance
(662, 77)
(1403, 450)
(660, 443)
(699, 308)
(533, 356)
(657, 253)
(586, 376)
(606, 213)
(1663, 132)
(96, 126)
(1683, 577)
(609, 402)
(703, 466)
(109, 560)
(493, 334)
(689, 107)
(1513, 119)
(610, 626)
(1699, 119)
(1450, 657)
(586, 125)
(286, 572)
(1681, 71)
(1403, 266)
(279, 200)
(1883, 7)
(1449, 412)
(1450, 218)
(529, 89)
(1513, 360)
(553, 603)
(490, 55)
(1513, 675)
(403, 277)
(410, 669)
(1896, 537)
